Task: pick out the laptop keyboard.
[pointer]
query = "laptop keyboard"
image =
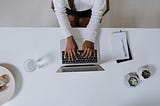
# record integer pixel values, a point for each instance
(80, 58)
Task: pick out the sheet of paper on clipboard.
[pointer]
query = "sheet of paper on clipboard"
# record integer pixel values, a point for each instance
(120, 49)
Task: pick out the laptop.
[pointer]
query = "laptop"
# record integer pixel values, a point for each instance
(81, 64)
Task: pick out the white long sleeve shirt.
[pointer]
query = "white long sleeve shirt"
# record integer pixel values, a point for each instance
(97, 7)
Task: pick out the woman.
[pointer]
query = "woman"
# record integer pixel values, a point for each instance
(79, 13)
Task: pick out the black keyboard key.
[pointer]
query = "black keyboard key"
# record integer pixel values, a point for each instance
(80, 58)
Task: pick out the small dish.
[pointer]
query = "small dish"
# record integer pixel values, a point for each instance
(7, 93)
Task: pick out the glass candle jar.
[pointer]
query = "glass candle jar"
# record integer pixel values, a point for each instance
(145, 72)
(132, 79)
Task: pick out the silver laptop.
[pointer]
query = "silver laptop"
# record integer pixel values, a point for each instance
(81, 64)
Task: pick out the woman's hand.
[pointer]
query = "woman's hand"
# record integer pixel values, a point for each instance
(71, 49)
(88, 48)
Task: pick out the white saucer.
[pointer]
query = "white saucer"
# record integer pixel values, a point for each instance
(8, 93)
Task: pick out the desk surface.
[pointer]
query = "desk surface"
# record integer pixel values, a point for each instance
(45, 87)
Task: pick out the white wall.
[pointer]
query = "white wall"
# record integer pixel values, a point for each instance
(134, 13)
(26, 13)
(37, 13)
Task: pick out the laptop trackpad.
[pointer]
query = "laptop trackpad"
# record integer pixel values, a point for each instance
(80, 68)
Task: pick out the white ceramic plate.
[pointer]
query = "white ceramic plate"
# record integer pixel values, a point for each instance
(7, 93)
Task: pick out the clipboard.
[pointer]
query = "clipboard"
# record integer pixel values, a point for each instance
(120, 46)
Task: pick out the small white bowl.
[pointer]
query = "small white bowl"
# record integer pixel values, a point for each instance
(9, 91)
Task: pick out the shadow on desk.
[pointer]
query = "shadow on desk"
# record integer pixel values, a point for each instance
(17, 76)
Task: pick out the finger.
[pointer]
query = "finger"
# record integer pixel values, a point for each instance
(87, 53)
(74, 54)
(65, 54)
(90, 53)
(84, 52)
(78, 52)
(71, 54)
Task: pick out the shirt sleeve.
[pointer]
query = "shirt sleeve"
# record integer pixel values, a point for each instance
(60, 11)
(97, 12)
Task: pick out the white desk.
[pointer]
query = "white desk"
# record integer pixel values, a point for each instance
(81, 88)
